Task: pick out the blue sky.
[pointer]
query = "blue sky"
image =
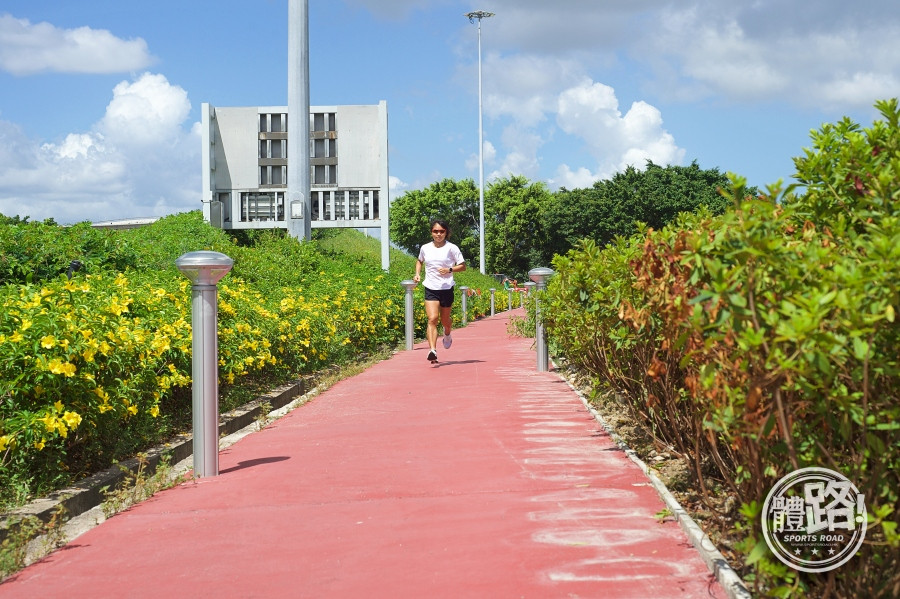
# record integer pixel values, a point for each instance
(100, 99)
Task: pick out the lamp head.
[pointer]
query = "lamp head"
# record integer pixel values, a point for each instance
(204, 267)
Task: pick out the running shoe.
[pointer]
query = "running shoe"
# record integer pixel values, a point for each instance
(448, 341)
(432, 356)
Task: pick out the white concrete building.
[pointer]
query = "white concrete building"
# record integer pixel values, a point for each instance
(245, 170)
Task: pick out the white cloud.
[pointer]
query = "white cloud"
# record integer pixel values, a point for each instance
(27, 48)
(490, 157)
(826, 54)
(137, 161)
(146, 111)
(522, 86)
(590, 111)
(580, 178)
(396, 187)
(833, 58)
(522, 159)
(587, 112)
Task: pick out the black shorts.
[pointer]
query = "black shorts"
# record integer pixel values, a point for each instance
(445, 296)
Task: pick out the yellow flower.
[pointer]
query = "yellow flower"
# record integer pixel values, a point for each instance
(4, 442)
(39, 445)
(16, 337)
(154, 411)
(48, 341)
(26, 324)
(72, 419)
(49, 422)
(133, 409)
(58, 406)
(57, 366)
(117, 306)
(104, 408)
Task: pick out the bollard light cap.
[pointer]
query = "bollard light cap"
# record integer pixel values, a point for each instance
(204, 267)
(409, 284)
(541, 274)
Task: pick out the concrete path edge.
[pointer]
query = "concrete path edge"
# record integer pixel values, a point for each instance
(713, 558)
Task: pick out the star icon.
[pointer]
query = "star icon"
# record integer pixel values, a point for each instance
(815, 552)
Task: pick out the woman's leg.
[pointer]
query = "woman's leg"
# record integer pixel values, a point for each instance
(433, 312)
(447, 318)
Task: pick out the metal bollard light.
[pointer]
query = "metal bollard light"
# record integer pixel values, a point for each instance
(205, 269)
(492, 300)
(465, 300)
(409, 284)
(509, 292)
(540, 276)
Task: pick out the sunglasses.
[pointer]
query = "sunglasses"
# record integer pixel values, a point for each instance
(438, 231)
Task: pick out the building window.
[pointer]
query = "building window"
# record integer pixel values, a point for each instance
(323, 174)
(272, 175)
(322, 122)
(272, 123)
(262, 206)
(273, 148)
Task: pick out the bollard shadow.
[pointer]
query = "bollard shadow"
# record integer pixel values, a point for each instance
(256, 462)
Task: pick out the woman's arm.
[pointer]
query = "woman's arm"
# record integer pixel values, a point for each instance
(418, 275)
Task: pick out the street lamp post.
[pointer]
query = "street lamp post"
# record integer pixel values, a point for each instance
(480, 14)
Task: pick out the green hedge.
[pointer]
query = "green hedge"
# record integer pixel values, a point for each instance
(97, 367)
(765, 340)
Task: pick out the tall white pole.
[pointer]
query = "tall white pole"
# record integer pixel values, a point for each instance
(480, 162)
(299, 217)
(480, 14)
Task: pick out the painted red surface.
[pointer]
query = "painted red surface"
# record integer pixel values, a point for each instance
(477, 477)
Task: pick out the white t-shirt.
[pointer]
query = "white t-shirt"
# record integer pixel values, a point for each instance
(446, 256)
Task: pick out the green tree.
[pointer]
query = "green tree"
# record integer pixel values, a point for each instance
(454, 201)
(516, 236)
(654, 196)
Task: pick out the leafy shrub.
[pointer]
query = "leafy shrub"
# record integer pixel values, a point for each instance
(765, 340)
(97, 367)
(38, 251)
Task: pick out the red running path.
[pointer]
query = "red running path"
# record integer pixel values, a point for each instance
(477, 477)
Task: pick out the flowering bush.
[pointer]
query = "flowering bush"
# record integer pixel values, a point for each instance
(96, 367)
